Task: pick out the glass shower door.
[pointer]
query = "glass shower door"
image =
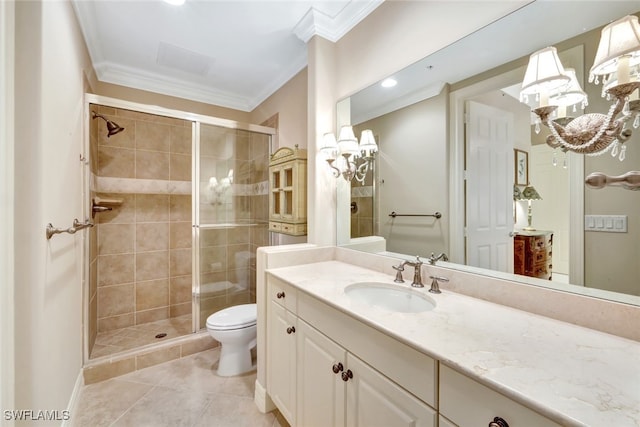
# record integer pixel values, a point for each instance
(231, 219)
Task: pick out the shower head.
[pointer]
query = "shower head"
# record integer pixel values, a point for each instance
(112, 128)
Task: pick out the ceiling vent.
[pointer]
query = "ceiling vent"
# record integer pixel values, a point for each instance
(183, 59)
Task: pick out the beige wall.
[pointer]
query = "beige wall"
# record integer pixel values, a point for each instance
(413, 139)
(290, 103)
(7, 58)
(49, 90)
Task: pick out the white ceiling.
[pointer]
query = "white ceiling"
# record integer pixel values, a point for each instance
(231, 53)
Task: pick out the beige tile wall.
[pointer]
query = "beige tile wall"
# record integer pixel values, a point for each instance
(362, 220)
(143, 268)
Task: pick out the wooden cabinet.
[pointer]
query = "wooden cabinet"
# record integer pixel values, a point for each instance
(532, 253)
(288, 191)
(466, 403)
(320, 382)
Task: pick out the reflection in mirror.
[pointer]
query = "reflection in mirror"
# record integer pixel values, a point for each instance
(425, 150)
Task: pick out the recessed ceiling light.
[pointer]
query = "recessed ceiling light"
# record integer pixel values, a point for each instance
(175, 2)
(389, 82)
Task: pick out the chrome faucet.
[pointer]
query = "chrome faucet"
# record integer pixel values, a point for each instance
(433, 258)
(417, 276)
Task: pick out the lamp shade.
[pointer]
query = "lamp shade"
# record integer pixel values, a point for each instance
(570, 94)
(530, 193)
(517, 194)
(618, 39)
(544, 72)
(368, 142)
(347, 142)
(329, 146)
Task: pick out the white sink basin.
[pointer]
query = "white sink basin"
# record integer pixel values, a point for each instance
(389, 297)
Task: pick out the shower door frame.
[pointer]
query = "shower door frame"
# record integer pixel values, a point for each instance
(196, 121)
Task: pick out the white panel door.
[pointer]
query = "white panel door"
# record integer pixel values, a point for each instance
(321, 390)
(489, 187)
(375, 401)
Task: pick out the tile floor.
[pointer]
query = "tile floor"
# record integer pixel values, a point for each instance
(184, 392)
(118, 340)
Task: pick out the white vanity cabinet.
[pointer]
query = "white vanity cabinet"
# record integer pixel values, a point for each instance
(281, 335)
(467, 403)
(349, 379)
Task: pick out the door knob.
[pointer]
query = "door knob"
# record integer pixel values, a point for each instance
(292, 329)
(337, 367)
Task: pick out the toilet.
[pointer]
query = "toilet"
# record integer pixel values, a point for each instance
(235, 329)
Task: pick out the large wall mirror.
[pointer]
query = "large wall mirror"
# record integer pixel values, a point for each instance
(431, 189)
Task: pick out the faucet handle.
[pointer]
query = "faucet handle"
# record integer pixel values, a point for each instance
(418, 260)
(399, 269)
(435, 288)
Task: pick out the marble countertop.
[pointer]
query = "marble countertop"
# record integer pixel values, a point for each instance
(573, 375)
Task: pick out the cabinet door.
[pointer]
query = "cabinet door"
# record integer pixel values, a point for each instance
(321, 391)
(375, 401)
(275, 185)
(443, 422)
(281, 360)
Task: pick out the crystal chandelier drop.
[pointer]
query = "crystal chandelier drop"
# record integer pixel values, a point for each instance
(617, 65)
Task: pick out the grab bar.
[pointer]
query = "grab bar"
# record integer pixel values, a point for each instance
(435, 215)
(77, 226)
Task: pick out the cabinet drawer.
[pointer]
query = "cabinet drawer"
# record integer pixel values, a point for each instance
(404, 365)
(282, 293)
(275, 226)
(539, 256)
(468, 403)
(294, 229)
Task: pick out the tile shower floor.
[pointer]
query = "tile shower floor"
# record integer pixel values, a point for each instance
(117, 340)
(184, 392)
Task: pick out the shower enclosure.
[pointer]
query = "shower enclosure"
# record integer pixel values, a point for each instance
(180, 203)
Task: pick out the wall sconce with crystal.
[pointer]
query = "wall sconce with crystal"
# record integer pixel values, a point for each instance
(346, 156)
(617, 63)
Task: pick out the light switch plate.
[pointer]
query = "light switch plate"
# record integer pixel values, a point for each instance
(606, 223)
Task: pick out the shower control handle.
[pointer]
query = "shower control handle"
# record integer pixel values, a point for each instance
(280, 295)
(291, 330)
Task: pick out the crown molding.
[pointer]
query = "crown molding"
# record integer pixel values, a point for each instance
(135, 78)
(317, 23)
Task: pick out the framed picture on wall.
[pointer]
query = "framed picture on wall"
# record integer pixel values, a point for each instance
(521, 167)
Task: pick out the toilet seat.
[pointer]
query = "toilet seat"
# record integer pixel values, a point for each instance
(236, 317)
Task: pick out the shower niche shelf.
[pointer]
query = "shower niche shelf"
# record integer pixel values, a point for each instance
(287, 191)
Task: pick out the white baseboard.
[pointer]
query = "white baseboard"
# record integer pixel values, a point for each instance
(73, 400)
(262, 399)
